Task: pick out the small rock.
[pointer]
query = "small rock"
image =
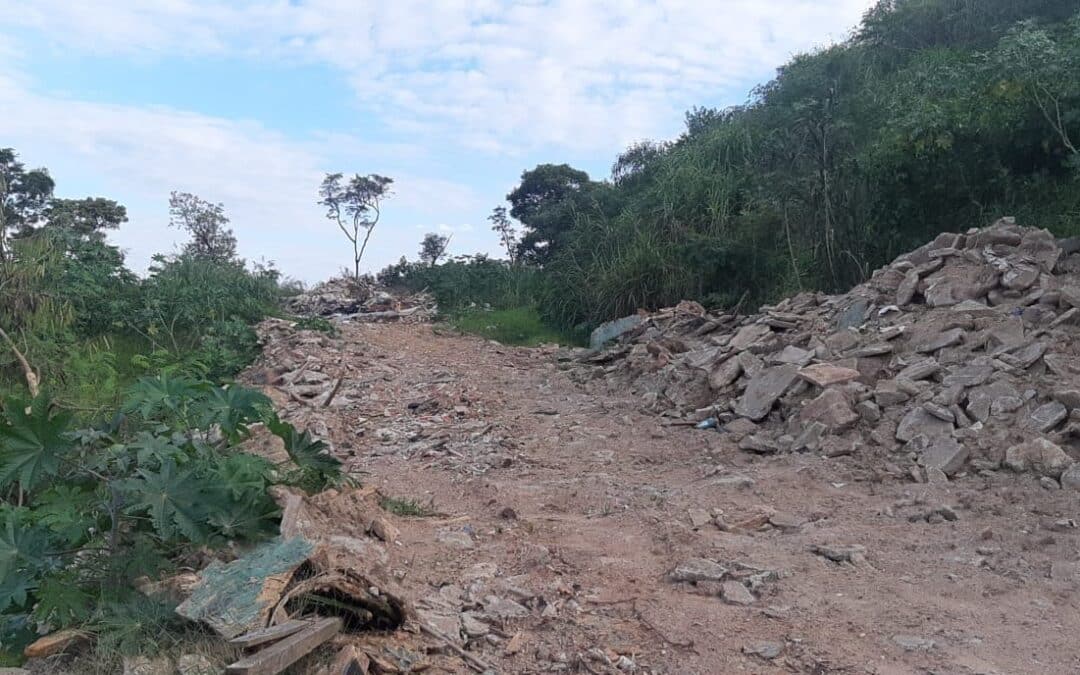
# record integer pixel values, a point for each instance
(832, 409)
(698, 518)
(810, 438)
(764, 391)
(911, 643)
(826, 374)
(473, 625)
(759, 444)
(944, 454)
(766, 650)
(918, 421)
(735, 593)
(1048, 416)
(939, 411)
(503, 608)
(947, 339)
(786, 522)
(1049, 483)
(1038, 455)
(838, 553)
(455, 539)
(1070, 477)
(869, 411)
(699, 569)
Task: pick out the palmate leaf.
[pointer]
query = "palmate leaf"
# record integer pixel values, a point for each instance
(68, 512)
(248, 519)
(232, 408)
(175, 500)
(61, 601)
(32, 445)
(22, 558)
(307, 451)
(153, 396)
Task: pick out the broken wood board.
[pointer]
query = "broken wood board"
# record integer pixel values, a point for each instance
(279, 656)
(237, 598)
(269, 634)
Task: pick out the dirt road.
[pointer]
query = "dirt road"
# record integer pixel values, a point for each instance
(562, 513)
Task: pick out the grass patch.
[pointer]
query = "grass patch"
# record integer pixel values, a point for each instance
(405, 507)
(520, 326)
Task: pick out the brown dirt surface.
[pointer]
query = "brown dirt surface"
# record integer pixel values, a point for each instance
(561, 513)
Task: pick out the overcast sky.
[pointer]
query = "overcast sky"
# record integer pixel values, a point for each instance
(249, 103)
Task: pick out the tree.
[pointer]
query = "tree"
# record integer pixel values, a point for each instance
(433, 248)
(355, 206)
(501, 224)
(544, 203)
(85, 217)
(206, 222)
(23, 195)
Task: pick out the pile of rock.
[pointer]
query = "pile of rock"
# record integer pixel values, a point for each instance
(360, 300)
(959, 354)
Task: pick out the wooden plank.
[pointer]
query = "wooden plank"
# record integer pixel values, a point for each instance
(269, 634)
(279, 656)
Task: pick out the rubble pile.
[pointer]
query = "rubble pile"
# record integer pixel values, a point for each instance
(354, 300)
(316, 380)
(959, 356)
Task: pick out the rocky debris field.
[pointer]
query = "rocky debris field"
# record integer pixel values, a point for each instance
(958, 358)
(879, 482)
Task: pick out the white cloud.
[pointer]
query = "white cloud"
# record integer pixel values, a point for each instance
(497, 76)
(576, 79)
(268, 182)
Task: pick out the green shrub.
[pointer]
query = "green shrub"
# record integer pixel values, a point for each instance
(86, 511)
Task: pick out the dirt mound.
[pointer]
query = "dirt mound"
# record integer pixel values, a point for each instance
(959, 356)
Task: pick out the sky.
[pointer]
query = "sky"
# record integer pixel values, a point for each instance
(249, 103)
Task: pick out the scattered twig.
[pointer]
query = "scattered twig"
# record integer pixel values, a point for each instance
(333, 392)
(472, 661)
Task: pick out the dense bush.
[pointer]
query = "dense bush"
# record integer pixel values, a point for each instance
(936, 115)
(86, 511)
(466, 282)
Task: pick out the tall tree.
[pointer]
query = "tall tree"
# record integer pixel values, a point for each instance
(23, 195)
(544, 202)
(206, 222)
(433, 248)
(85, 217)
(504, 227)
(355, 205)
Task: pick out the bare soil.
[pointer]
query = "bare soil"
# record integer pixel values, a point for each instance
(577, 506)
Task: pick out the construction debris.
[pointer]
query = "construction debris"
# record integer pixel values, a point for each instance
(350, 299)
(949, 355)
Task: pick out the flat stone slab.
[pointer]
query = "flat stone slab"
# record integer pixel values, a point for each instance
(827, 374)
(764, 390)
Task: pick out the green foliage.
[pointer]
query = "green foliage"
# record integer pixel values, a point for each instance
(89, 510)
(33, 442)
(937, 115)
